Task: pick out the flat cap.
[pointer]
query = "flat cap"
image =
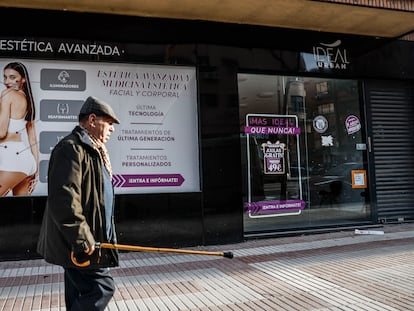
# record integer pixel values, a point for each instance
(98, 107)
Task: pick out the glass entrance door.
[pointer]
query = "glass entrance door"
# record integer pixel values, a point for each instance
(304, 148)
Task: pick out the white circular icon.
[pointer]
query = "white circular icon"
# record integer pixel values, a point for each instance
(320, 124)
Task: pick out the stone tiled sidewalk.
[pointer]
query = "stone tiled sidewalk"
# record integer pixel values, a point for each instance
(330, 271)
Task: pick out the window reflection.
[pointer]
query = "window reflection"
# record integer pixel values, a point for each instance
(320, 162)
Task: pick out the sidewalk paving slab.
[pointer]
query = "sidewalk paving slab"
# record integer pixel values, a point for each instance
(340, 270)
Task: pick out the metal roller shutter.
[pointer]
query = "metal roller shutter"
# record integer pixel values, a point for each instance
(392, 130)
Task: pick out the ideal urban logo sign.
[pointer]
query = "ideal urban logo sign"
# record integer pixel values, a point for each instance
(331, 56)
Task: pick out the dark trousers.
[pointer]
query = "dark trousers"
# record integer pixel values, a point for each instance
(88, 290)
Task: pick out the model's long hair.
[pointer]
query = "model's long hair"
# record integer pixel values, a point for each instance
(27, 89)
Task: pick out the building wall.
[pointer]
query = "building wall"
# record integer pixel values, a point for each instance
(385, 4)
(219, 52)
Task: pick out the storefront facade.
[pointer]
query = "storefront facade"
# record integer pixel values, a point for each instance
(300, 132)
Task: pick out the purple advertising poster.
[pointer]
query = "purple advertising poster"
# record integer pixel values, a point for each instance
(278, 189)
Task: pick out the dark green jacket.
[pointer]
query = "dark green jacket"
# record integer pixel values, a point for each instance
(74, 218)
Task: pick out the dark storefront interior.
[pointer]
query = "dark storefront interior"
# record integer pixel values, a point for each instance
(227, 57)
(319, 161)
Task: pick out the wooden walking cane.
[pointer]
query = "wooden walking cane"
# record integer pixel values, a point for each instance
(148, 249)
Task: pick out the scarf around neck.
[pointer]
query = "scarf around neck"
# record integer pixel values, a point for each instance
(102, 150)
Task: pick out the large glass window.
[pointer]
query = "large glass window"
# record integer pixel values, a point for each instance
(303, 152)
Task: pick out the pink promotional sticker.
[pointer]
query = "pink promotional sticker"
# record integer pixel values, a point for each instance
(352, 124)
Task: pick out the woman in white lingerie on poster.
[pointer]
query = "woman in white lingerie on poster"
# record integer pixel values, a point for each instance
(19, 153)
